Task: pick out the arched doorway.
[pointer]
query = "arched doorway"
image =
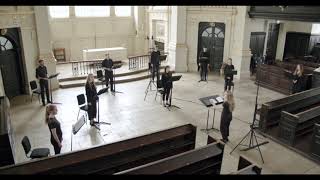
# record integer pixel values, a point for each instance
(211, 36)
(11, 63)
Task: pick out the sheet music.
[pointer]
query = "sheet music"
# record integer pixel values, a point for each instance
(219, 99)
(213, 102)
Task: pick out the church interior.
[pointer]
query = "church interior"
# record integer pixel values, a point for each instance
(160, 90)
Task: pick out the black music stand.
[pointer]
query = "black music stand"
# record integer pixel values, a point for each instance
(208, 104)
(101, 91)
(51, 77)
(174, 78)
(77, 126)
(114, 78)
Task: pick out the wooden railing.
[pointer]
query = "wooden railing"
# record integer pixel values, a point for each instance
(138, 62)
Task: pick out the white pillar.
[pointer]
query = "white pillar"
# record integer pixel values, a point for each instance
(140, 25)
(178, 49)
(44, 41)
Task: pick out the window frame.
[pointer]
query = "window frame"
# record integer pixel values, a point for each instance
(49, 12)
(107, 16)
(117, 16)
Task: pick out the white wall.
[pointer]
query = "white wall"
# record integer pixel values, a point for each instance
(76, 34)
(290, 26)
(23, 17)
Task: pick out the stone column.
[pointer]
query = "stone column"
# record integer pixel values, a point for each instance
(177, 43)
(140, 40)
(44, 42)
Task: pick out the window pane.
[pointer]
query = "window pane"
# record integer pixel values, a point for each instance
(123, 10)
(92, 11)
(59, 11)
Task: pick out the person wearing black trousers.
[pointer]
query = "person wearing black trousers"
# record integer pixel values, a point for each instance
(167, 85)
(204, 64)
(91, 93)
(107, 63)
(54, 127)
(226, 115)
(298, 80)
(228, 75)
(155, 63)
(42, 76)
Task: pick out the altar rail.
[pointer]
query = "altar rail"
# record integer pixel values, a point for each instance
(138, 62)
(87, 67)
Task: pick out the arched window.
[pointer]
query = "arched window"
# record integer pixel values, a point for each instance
(5, 44)
(122, 11)
(92, 11)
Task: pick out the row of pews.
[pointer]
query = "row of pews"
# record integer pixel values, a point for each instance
(170, 151)
(294, 121)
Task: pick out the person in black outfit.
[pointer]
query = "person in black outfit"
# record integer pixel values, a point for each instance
(204, 64)
(107, 63)
(42, 76)
(155, 63)
(54, 128)
(228, 75)
(226, 115)
(298, 80)
(91, 93)
(253, 64)
(166, 80)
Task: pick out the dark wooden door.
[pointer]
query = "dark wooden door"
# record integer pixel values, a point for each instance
(257, 40)
(272, 42)
(10, 63)
(211, 36)
(296, 44)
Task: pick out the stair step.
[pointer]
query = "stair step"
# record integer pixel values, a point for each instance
(121, 79)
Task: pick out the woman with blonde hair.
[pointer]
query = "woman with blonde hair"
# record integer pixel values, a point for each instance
(54, 127)
(226, 115)
(91, 93)
(298, 80)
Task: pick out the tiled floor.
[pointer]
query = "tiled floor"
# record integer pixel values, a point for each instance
(131, 116)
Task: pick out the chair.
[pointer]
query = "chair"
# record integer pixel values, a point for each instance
(35, 90)
(101, 77)
(82, 104)
(35, 153)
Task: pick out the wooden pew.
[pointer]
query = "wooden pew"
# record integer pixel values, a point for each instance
(114, 157)
(315, 143)
(293, 125)
(204, 160)
(246, 167)
(271, 111)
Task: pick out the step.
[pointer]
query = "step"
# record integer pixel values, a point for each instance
(116, 75)
(119, 80)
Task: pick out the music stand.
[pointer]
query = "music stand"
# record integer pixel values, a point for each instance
(51, 77)
(101, 91)
(77, 126)
(207, 102)
(114, 78)
(174, 78)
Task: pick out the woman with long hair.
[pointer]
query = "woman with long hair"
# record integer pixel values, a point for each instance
(54, 127)
(167, 85)
(91, 93)
(228, 75)
(298, 80)
(226, 115)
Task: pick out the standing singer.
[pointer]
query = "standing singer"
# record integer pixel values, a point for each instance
(42, 76)
(166, 80)
(92, 97)
(107, 63)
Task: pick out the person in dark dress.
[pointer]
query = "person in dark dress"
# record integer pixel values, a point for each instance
(226, 115)
(166, 80)
(42, 76)
(155, 63)
(298, 80)
(228, 75)
(91, 93)
(54, 128)
(107, 63)
(204, 64)
(253, 64)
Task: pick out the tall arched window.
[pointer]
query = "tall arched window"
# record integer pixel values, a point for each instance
(59, 11)
(122, 11)
(92, 11)
(5, 44)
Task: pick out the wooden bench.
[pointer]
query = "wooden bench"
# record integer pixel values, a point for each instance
(204, 160)
(114, 157)
(271, 111)
(315, 143)
(293, 125)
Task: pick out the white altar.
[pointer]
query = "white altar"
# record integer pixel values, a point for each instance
(115, 53)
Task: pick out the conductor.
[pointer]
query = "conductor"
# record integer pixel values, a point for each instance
(204, 64)
(42, 76)
(107, 63)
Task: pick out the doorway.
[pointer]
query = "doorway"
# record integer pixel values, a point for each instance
(211, 36)
(11, 62)
(257, 40)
